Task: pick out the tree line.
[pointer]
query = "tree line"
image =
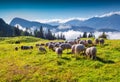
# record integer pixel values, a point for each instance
(38, 33)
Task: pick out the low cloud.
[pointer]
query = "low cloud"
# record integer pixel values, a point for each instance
(64, 26)
(71, 34)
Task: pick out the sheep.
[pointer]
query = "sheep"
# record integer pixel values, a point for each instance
(26, 47)
(42, 49)
(101, 41)
(91, 52)
(73, 49)
(96, 41)
(65, 46)
(51, 46)
(79, 48)
(16, 48)
(83, 42)
(17, 42)
(37, 45)
(59, 51)
(56, 44)
(89, 41)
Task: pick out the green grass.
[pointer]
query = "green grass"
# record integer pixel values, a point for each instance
(33, 66)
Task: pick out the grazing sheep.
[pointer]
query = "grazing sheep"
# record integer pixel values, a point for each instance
(63, 46)
(59, 51)
(42, 49)
(81, 42)
(101, 41)
(56, 44)
(46, 44)
(42, 44)
(96, 41)
(37, 45)
(89, 41)
(16, 48)
(26, 47)
(51, 46)
(17, 42)
(79, 48)
(73, 49)
(91, 52)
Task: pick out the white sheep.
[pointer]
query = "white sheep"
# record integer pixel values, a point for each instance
(91, 52)
(59, 51)
(79, 48)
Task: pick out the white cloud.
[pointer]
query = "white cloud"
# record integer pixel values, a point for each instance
(111, 35)
(64, 26)
(60, 20)
(20, 27)
(71, 34)
(108, 14)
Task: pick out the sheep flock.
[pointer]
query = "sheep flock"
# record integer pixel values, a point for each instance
(77, 47)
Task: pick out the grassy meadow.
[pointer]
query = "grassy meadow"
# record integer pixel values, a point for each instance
(34, 66)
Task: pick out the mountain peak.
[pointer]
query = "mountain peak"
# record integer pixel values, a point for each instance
(2, 21)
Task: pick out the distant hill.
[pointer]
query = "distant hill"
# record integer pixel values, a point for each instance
(112, 22)
(107, 23)
(28, 24)
(5, 29)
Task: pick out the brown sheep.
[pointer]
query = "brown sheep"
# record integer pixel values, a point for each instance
(16, 48)
(42, 49)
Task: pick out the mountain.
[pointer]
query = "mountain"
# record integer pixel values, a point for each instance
(5, 29)
(106, 22)
(55, 23)
(74, 22)
(28, 24)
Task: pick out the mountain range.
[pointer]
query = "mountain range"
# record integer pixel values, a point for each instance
(107, 23)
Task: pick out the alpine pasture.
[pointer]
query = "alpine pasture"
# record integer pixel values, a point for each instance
(34, 66)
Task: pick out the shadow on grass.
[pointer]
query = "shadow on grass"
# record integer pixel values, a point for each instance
(104, 61)
(66, 58)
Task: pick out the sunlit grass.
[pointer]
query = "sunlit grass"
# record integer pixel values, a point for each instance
(34, 66)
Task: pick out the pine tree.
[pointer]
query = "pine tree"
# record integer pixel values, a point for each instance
(41, 32)
(85, 35)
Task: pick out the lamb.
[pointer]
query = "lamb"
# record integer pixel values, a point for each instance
(59, 51)
(91, 52)
(79, 48)
(42, 49)
(102, 41)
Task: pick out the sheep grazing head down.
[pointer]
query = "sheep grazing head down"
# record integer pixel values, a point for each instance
(79, 48)
(59, 51)
(91, 52)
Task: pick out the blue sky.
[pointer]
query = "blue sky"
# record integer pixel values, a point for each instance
(55, 9)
